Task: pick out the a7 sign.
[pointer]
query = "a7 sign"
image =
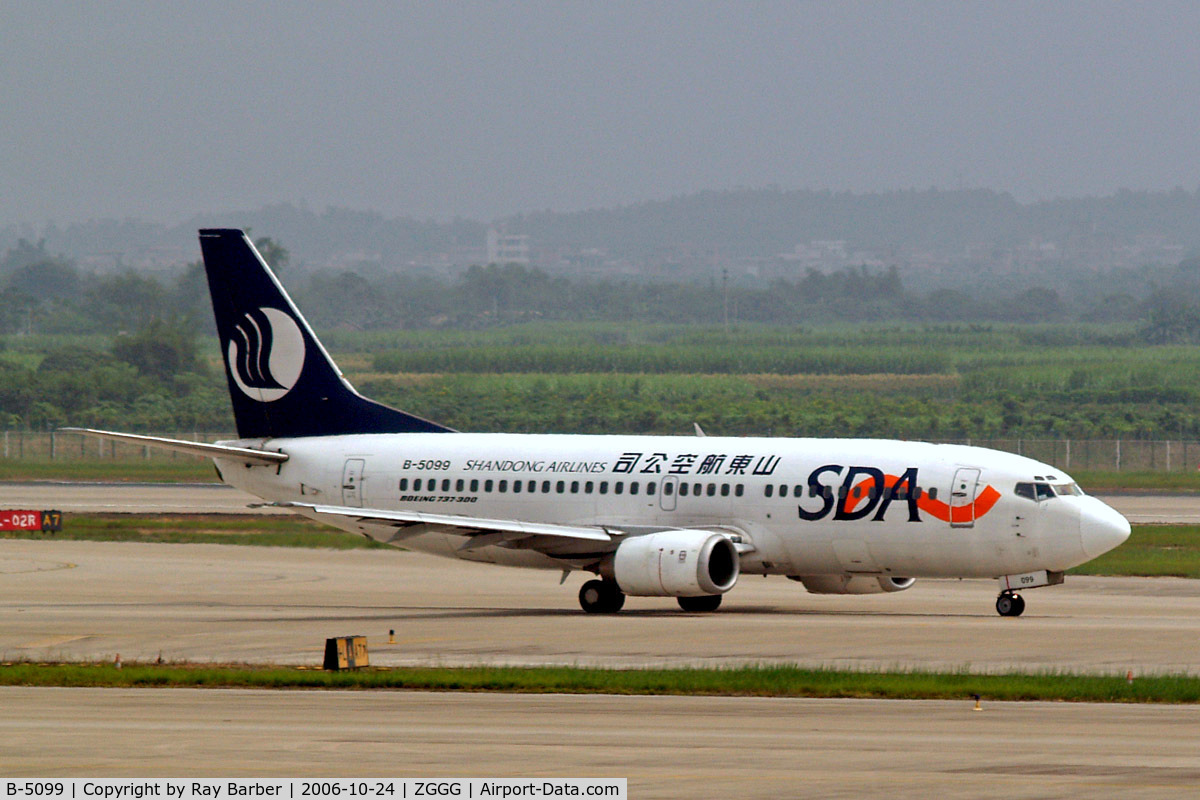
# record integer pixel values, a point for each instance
(26, 520)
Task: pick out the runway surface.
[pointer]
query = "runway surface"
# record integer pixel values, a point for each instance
(219, 603)
(665, 746)
(212, 498)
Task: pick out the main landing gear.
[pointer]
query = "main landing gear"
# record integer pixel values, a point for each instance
(601, 597)
(606, 597)
(1010, 604)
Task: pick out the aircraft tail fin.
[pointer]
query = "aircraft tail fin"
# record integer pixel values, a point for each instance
(281, 379)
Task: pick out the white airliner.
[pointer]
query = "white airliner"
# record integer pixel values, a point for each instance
(661, 516)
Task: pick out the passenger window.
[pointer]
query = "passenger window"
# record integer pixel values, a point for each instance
(459, 484)
(667, 488)
(516, 487)
(933, 493)
(797, 491)
(603, 487)
(724, 490)
(712, 490)
(475, 485)
(588, 487)
(618, 487)
(683, 489)
(503, 486)
(737, 490)
(574, 487)
(560, 487)
(416, 484)
(649, 488)
(445, 484)
(487, 485)
(768, 490)
(404, 484)
(633, 488)
(545, 487)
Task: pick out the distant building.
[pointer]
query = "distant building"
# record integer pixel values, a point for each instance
(507, 248)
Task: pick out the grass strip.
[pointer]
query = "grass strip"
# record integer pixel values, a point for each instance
(240, 529)
(1151, 551)
(746, 681)
(157, 470)
(1108, 482)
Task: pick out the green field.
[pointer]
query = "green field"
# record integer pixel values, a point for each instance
(751, 681)
(899, 381)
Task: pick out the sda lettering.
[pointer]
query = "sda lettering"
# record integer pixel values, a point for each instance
(853, 493)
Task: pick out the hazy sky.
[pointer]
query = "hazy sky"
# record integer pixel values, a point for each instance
(160, 110)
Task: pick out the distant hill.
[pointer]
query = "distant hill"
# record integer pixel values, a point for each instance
(749, 223)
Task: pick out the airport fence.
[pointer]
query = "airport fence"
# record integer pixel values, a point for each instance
(1119, 455)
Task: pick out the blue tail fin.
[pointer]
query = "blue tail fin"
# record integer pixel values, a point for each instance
(281, 380)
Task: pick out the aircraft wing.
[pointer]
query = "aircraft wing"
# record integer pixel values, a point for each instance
(548, 538)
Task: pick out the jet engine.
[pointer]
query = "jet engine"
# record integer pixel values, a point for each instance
(852, 584)
(683, 563)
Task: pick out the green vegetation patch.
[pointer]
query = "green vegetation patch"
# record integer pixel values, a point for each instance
(240, 529)
(187, 469)
(748, 681)
(1152, 551)
(1107, 481)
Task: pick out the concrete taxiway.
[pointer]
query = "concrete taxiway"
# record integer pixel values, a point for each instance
(665, 746)
(217, 603)
(214, 498)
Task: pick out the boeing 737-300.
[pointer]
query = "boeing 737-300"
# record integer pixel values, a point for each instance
(660, 516)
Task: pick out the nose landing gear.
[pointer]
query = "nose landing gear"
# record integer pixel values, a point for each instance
(1010, 604)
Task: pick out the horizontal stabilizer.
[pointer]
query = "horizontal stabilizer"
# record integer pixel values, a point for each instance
(244, 454)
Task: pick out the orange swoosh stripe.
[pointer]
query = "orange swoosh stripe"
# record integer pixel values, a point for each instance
(935, 508)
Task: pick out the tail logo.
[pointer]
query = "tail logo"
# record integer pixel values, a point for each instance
(266, 354)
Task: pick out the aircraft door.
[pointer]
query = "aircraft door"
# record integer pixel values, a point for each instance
(352, 476)
(667, 493)
(962, 497)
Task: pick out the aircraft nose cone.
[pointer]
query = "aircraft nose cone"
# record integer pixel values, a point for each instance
(1101, 528)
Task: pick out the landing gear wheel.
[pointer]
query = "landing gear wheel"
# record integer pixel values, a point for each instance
(601, 597)
(703, 603)
(1010, 605)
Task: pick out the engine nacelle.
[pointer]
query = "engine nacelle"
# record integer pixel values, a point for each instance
(682, 563)
(852, 584)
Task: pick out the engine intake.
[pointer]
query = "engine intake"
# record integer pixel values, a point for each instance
(683, 563)
(852, 584)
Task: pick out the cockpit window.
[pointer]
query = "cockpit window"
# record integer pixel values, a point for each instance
(1067, 489)
(1036, 491)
